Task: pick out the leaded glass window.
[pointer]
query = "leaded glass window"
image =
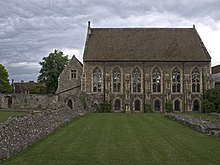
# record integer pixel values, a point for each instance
(97, 80)
(176, 80)
(136, 78)
(116, 80)
(195, 80)
(156, 78)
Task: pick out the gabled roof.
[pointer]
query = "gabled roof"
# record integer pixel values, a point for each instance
(144, 44)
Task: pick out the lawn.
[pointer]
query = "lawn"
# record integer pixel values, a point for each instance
(118, 138)
(204, 116)
(4, 115)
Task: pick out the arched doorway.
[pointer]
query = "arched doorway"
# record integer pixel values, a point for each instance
(70, 103)
(117, 105)
(157, 105)
(196, 107)
(176, 105)
(137, 105)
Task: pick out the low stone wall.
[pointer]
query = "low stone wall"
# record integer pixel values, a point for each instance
(17, 133)
(201, 125)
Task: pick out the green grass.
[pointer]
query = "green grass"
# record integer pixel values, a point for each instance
(4, 115)
(118, 138)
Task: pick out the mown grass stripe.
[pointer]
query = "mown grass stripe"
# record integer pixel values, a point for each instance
(122, 139)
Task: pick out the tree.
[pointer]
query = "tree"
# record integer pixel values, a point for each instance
(5, 86)
(52, 66)
(212, 100)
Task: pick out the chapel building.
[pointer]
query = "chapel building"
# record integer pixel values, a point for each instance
(135, 68)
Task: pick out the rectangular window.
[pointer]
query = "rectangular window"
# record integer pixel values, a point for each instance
(73, 74)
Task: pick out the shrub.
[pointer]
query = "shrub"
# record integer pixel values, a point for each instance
(148, 108)
(212, 97)
(209, 106)
(106, 107)
(169, 106)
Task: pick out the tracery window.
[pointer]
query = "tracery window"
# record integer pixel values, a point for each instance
(195, 80)
(136, 78)
(97, 80)
(116, 80)
(176, 80)
(156, 78)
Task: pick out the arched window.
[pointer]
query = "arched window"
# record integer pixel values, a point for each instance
(117, 105)
(137, 105)
(156, 77)
(116, 80)
(97, 80)
(177, 105)
(157, 105)
(196, 105)
(176, 80)
(195, 80)
(136, 78)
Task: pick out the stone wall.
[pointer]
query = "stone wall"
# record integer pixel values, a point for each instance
(28, 101)
(206, 126)
(17, 133)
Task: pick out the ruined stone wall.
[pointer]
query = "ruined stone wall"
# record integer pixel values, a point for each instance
(206, 126)
(28, 101)
(17, 133)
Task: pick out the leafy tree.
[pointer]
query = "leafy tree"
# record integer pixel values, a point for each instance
(212, 100)
(52, 66)
(5, 86)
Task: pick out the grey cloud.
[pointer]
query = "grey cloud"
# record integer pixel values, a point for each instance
(29, 30)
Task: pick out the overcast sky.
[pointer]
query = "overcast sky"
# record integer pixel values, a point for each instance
(31, 29)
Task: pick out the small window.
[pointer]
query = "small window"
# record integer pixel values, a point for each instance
(73, 74)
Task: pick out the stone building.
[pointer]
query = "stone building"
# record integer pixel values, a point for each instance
(69, 82)
(135, 68)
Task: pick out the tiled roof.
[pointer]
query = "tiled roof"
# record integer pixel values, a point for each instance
(144, 44)
(24, 87)
(216, 69)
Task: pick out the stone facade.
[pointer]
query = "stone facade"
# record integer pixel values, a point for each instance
(146, 95)
(136, 68)
(69, 82)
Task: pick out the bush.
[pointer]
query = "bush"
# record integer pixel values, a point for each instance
(169, 106)
(148, 108)
(209, 106)
(212, 100)
(106, 107)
